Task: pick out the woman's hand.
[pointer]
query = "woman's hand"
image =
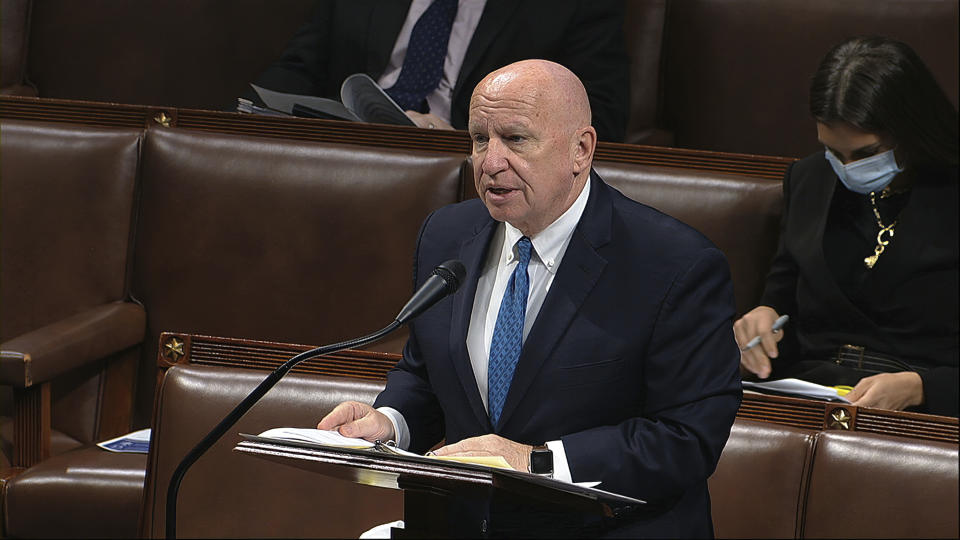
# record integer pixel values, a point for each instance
(758, 322)
(895, 391)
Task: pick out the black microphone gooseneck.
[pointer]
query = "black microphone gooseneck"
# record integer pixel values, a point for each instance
(443, 281)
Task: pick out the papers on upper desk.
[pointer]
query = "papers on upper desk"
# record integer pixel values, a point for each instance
(361, 100)
(797, 387)
(283, 102)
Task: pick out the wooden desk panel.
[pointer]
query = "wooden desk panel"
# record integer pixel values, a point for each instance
(332, 131)
(789, 411)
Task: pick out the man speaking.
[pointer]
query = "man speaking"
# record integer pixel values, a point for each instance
(590, 326)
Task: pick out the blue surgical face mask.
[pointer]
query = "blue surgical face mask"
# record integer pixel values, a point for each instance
(868, 174)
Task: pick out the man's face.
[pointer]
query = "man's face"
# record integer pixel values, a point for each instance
(523, 155)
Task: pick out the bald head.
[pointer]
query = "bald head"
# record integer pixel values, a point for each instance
(532, 142)
(549, 86)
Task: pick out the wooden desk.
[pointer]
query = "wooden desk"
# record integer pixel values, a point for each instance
(798, 412)
(308, 129)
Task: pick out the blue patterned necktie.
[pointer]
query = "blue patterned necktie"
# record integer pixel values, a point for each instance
(508, 334)
(426, 51)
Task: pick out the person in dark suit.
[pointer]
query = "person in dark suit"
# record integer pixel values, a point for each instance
(588, 321)
(346, 37)
(867, 262)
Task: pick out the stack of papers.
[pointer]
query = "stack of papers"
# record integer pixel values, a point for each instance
(335, 439)
(361, 100)
(799, 388)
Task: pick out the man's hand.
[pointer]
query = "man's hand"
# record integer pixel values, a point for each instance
(359, 420)
(428, 121)
(758, 322)
(895, 391)
(516, 454)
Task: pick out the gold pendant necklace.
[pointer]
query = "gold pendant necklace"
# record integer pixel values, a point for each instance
(884, 229)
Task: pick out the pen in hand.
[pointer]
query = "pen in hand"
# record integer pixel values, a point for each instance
(777, 325)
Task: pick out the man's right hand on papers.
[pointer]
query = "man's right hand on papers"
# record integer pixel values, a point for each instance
(359, 420)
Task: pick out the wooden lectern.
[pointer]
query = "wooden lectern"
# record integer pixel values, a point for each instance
(450, 499)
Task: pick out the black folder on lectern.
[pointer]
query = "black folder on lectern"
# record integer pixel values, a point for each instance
(429, 485)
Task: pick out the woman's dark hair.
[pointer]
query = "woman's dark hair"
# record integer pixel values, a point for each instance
(880, 85)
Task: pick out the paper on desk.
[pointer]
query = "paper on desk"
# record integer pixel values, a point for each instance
(137, 442)
(284, 102)
(315, 436)
(335, 439)
(797, 387)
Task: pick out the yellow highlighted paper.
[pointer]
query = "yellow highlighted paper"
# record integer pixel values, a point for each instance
(488, 461)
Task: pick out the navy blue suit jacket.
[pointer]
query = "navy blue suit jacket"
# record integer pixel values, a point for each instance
(631, 362)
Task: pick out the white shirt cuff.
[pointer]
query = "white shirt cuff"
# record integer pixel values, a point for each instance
(561, 469)
(401, 433)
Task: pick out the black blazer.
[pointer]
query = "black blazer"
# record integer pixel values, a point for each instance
(353, 36)
(912, 291)
(631, 361)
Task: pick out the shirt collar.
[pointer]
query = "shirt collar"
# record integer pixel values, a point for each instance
(550, 243)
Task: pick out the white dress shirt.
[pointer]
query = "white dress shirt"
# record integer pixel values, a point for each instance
(549, 246)
(464, 25)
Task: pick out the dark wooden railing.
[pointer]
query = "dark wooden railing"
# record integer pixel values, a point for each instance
(305, 129)
(803, 413)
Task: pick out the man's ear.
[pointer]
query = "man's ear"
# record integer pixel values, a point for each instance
(585, 144)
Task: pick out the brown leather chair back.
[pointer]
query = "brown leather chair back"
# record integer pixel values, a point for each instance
(643, 26)
(230, 495)
(759, 486)
(900, 488)
(741, 215)
(737, 72)
(186, 53)
(67, 194)
(277, 239)
(15, 34)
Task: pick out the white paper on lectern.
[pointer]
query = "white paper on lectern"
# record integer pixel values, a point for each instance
(315, 436)
(335, 439)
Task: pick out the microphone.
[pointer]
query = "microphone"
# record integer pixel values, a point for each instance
(443, 281)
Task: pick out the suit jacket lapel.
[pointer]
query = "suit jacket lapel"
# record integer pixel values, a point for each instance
(815, 217)
(473, 253)
(818, 272)
(386, 20)
(578, 274)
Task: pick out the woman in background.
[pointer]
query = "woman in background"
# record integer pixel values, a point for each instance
(867, 262)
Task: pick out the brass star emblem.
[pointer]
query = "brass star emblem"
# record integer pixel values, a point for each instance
(840, 419)
(173, 349)
(162, 119)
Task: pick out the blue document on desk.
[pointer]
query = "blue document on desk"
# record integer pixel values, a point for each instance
(137, 442)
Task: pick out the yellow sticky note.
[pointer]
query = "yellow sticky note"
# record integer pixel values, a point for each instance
(843, 390)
